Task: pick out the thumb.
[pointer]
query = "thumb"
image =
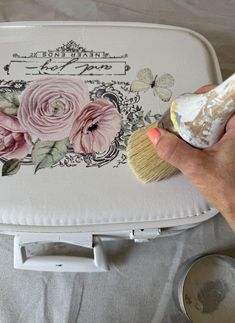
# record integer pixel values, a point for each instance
(175, 151)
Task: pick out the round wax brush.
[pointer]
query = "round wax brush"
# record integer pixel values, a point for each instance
(199, 119)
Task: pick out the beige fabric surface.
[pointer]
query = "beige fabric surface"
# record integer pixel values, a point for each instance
(138, 289)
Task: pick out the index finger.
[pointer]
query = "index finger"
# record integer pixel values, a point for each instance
(231, 123)
(205, 88)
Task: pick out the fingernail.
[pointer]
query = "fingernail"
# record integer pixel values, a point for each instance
(154, 135)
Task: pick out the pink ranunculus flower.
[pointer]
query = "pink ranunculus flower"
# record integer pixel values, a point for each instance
(95, 128)
(50, 105)
(14, 142)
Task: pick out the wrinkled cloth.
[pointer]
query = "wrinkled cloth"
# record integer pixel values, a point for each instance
(138, 289)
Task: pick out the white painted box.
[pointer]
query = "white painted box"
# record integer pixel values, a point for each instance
(65, 90)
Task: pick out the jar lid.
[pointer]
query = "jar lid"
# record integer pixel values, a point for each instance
(207, 291)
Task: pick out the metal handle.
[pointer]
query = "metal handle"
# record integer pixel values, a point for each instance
(55, 263)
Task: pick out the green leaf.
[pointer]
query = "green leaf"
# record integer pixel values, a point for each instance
(140, 114)
(121, 147)
(47, 153)
(9, 102)
(10, 110)
(15, 99)
(126, 140)
(157, 116)
(11, 167)
(147, 117)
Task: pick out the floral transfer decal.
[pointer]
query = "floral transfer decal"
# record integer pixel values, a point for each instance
(51, 115)
(49, 106)
(161, 85)
(95, 127)
(57, 121)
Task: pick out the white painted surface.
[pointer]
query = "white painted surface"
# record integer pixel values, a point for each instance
(67, 196)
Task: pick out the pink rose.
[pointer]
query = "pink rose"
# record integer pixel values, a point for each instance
(95, 127)
(50, 105)
(14, 143)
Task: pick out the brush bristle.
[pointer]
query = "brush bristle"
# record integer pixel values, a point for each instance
(143, 158)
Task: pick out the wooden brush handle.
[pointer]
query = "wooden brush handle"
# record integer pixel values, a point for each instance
(200, 119)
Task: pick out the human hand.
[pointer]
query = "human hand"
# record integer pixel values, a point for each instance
(211, 170)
